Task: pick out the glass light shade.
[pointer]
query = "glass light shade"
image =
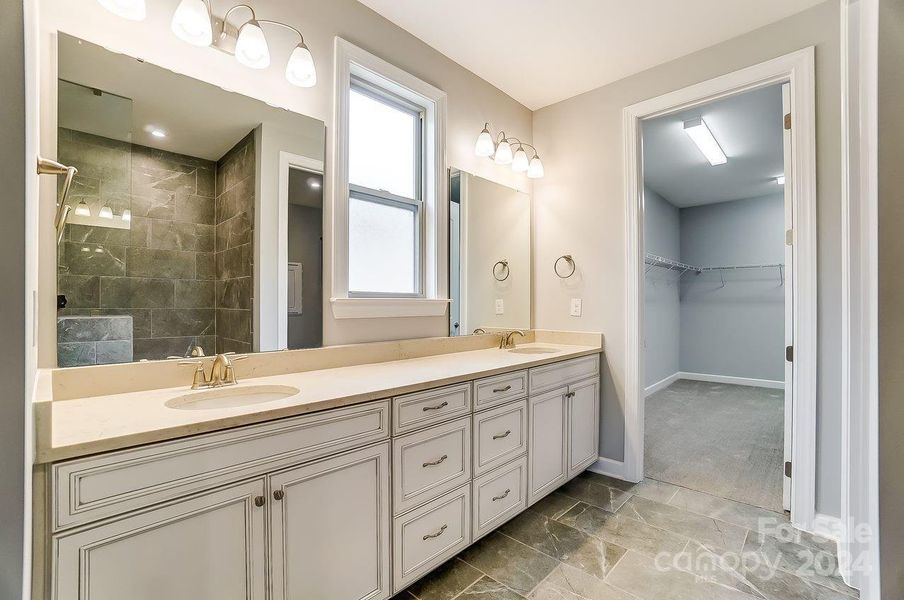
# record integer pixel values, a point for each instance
(484, 145)
(503, 153)
(300, 69)
(134, 10)
(127, 215)
(251, 47)
(191, 23)
(82, 209)
(535, 170)
(105, 213)
(520, 162)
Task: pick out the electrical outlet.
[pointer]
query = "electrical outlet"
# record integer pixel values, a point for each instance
(500, 306)
(576, 307)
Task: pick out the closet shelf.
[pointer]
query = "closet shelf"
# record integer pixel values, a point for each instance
(654, 260)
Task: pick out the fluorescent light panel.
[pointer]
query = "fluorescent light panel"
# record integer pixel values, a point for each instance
(700, 134)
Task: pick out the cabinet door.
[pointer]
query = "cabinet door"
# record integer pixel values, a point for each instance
(207, 547)
(583, 425)
(547, 467)
(330, 528)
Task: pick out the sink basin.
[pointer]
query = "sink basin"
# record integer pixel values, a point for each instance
(533, 350)
(231, 397)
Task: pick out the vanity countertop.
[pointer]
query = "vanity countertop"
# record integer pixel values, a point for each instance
(68, 428)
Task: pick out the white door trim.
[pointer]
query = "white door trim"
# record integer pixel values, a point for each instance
(798, 68)
(287, 161)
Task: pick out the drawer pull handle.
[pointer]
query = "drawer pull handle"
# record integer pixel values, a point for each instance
(499, 436)
(501, 496)
(502, 389)
(259, 501)
(437, 534)
(433, 463)
(437, 407)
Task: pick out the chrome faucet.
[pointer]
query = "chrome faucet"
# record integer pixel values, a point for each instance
(222, 371)
(506, 340)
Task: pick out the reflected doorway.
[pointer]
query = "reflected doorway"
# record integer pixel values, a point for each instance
(305, 249)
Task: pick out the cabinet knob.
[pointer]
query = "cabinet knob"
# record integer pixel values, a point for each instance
(259, 501)
(278, 494)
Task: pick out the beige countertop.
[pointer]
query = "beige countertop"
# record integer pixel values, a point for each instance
(67, 428)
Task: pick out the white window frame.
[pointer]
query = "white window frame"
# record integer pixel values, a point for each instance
(356, 66)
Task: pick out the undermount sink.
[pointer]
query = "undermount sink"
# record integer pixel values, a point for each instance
(231, 397)
(533, 350)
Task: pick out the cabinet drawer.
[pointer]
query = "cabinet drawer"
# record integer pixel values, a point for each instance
(89, 489)
(498, 496)
(414, 411)
(500, 434)
(431, 462)
(555, 375)
(501, 388)
(427, 536)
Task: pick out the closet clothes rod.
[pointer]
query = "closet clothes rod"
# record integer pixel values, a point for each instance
(654, 260)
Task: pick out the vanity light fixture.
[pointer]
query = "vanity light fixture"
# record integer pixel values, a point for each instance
(699, 132)
(126, 215)
(82, 210)
(133, 10)
(194, 23)
(508, 151)
(105, 212)
(780, 180)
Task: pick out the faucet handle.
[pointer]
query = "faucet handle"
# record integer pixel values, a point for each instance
(199, 379)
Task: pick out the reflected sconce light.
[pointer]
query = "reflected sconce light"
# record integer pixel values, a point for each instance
(194, 23)
(126, 215)
(105, 212)
(82, 210)
(506, 150)
(699, 132)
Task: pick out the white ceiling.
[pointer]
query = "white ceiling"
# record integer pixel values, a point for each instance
(749, 129)
(543, 51)
(199, 119)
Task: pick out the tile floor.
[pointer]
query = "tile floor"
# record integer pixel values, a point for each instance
(598, 538)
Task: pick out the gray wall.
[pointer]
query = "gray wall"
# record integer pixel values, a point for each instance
(661, 303)
(736, 330)
(305, 231)
(12, 299)
(891, 290)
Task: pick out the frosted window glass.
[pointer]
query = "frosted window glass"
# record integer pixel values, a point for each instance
(381, 247)
(381, 147)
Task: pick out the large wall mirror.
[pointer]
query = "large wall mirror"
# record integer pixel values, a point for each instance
(489, 255)
(196, 216)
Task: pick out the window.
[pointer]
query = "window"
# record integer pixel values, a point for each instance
(385, 164)
(390, 228)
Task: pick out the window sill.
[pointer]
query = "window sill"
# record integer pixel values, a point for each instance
(372, 308)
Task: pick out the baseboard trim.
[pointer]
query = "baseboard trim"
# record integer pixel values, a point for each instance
(609, 467)
(661, 384)
(763, 383)
(828, 527)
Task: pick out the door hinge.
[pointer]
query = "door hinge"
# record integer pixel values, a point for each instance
(789, 237)
(788, 121)
(789, 353)
(788, 469)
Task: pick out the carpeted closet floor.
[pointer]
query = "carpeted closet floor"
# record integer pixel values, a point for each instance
(725, 440)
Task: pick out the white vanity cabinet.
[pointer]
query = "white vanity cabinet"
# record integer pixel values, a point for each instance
(207, 547)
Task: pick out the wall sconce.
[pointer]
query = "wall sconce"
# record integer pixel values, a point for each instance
(508, 151)
(194, 23)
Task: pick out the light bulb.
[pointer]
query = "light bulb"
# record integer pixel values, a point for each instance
(484, 145)
(191, 23)
(535, 170)
(82, 209)
(503, 153)
(300, 69)
(251, 46)
(520, 162)
(127, 215)
(134, 10)
(105, 212)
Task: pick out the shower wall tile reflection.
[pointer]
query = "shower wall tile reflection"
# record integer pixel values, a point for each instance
(182, 270)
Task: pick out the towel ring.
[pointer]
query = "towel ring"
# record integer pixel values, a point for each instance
(567, 258)
(505, 268)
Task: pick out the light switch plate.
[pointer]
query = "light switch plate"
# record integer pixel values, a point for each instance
(500, 306)
(576, 307)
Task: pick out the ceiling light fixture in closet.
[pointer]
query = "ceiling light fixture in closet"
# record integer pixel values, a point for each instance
(508, 151)
(780, 180)
(194, 23)
(700, 134)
